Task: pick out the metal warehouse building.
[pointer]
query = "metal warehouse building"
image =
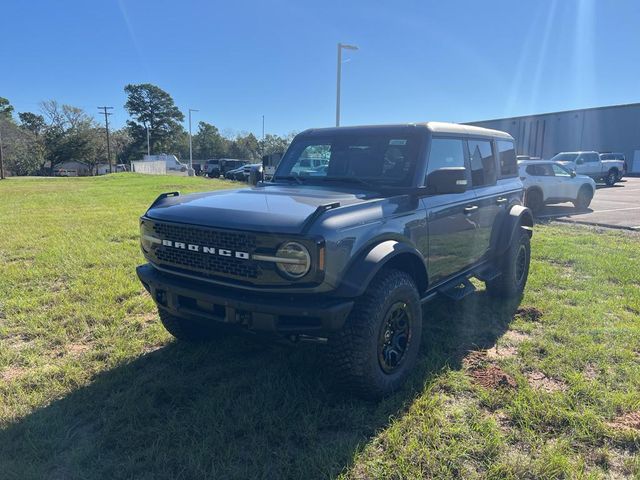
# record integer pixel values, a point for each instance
(604, 129)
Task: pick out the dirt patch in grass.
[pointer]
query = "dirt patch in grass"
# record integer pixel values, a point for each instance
(540, 381)
(590, 372)
(516, 337)
(486, 373)
(11, 373)
(626, 421)
(529, 314)
(501, 352)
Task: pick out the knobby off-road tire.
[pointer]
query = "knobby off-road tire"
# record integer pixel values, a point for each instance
(187, 330)
(535, 200)
(514, 268)
(585, 195)
(385, 321)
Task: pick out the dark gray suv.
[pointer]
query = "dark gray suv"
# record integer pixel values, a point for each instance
(359, 227)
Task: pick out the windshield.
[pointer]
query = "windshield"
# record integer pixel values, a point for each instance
(374, 159)
(565, 157)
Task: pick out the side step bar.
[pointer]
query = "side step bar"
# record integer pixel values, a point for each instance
(459, 290)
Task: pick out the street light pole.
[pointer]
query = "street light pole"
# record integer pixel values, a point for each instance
(190, 144)
(148, 144)
(340, 47)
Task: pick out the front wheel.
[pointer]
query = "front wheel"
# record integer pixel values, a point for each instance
(378, 347)
(612, 178)
(514, 268)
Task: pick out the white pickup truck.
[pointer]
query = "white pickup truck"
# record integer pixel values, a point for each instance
(590, 164)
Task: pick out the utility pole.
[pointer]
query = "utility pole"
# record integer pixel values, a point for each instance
(263, 135)
(1, 157)
(148, 144)
(106, 122)
(190, 144)
(340, 47)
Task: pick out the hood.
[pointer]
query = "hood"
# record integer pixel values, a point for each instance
(273, 208)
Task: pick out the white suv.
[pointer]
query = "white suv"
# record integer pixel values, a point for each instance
(548, 182)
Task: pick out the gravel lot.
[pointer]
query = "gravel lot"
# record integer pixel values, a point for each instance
(617, 206)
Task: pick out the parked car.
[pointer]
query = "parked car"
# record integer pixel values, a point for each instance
(213, 168)
(403, 213)
(590, 164)
(616, 156)
(547, 182)
(235, 174)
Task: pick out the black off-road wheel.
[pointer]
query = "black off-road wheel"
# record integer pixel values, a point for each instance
(585, 195)
(534, 200)
(378, 347)
(187, 330)
(514, 268)
(612, 178)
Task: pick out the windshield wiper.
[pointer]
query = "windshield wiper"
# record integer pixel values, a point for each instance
(295, 178)
(350, 180)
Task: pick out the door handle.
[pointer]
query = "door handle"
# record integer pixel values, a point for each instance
(501, 200)
(470, 209)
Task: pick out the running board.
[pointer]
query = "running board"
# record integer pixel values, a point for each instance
(458, 291)
(487, 274)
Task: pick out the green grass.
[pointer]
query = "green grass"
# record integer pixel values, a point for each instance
(92, 387)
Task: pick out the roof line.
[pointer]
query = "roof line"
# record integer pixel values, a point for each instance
(620, 105)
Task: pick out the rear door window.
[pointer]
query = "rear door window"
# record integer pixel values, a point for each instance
(483, 163)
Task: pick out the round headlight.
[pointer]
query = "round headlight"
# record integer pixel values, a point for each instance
(295, 260)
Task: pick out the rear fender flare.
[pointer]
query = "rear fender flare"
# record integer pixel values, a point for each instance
(516, 219)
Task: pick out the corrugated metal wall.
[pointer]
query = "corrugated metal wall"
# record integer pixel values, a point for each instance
(605, 129)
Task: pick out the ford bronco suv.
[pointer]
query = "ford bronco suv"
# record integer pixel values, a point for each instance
(359, 227)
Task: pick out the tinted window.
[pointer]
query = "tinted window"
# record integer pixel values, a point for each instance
(445, 152)
(590, 157)
(565, 157)
(385, 159)
(483, 164)
(540, 170)
(507, 158)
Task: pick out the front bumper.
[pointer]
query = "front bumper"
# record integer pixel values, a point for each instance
(313, 315)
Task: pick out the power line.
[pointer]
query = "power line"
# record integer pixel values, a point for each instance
(106, 122)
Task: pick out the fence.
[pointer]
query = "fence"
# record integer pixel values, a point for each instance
(158, 167)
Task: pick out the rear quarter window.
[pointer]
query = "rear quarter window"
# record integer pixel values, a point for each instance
(507, 159)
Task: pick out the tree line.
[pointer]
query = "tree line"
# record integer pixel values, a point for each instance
(34, 143)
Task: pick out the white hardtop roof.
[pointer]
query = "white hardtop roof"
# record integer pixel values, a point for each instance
(445, 127)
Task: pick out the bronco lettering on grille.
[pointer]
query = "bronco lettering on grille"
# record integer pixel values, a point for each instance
(203, 249)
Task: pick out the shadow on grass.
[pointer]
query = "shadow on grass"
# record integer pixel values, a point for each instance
(235, 409)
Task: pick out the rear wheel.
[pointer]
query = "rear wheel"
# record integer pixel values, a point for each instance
(187, 330)
(514, 268)
(534, 200)
(612, 178)
(378, 347)
(585, 195)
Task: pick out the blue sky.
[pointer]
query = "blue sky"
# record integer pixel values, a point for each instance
(237, 60)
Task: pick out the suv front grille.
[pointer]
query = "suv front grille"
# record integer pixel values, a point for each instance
(210, 264)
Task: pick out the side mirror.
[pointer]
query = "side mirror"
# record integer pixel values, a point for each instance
(447, 180)
(573, 173)
(255, 175)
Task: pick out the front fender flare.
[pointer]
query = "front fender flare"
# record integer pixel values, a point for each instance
(367, 264)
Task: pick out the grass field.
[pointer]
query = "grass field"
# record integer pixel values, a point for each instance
(92, 387)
